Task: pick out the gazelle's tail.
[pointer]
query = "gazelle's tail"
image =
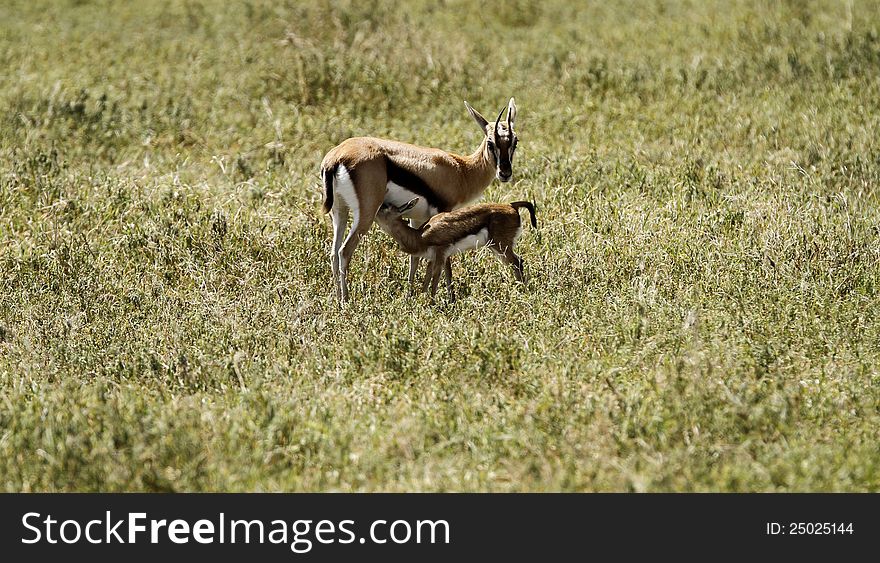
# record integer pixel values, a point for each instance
(327, 175)
(528, 205)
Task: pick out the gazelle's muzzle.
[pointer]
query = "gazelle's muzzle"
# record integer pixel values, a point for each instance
(504, 170)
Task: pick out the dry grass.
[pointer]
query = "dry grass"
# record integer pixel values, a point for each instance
(704, 307)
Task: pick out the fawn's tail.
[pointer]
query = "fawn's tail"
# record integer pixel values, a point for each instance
(528, 205)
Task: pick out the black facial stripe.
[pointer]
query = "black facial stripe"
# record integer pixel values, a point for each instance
(492, 150)
(410, 181)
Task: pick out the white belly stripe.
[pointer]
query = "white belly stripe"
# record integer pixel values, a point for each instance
(398, 195)
(470, 242)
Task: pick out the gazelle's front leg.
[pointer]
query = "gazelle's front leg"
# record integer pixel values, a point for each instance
(429, 272)
(435, 275)
(413, 270)
(432, 257)
(439, 263)
(448, 269)
(414, 262)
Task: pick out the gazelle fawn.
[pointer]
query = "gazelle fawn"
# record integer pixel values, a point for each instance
(363, 172)
(496, 225)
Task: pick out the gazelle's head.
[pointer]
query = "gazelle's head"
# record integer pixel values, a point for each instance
(389, 212)
(500, 139)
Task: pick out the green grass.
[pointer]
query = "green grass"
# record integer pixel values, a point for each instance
(703, 312)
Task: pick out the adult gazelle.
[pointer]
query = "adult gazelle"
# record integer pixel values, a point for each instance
(361, 173)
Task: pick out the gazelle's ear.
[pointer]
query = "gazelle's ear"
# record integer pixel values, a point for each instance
(481, 121)
(511, 112)
(408, 205)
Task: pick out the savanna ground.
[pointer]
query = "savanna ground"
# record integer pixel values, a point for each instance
(703, 308)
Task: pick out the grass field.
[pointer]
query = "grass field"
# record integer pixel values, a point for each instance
(703, 312)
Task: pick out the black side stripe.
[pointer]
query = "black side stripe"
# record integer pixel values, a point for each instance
(412, 182)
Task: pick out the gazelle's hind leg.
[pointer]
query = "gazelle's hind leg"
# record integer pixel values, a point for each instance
(364, 203)
(516, 262)
(358, 229)
(339, 214)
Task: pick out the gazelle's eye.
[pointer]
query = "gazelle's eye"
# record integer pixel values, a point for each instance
(491, 146)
